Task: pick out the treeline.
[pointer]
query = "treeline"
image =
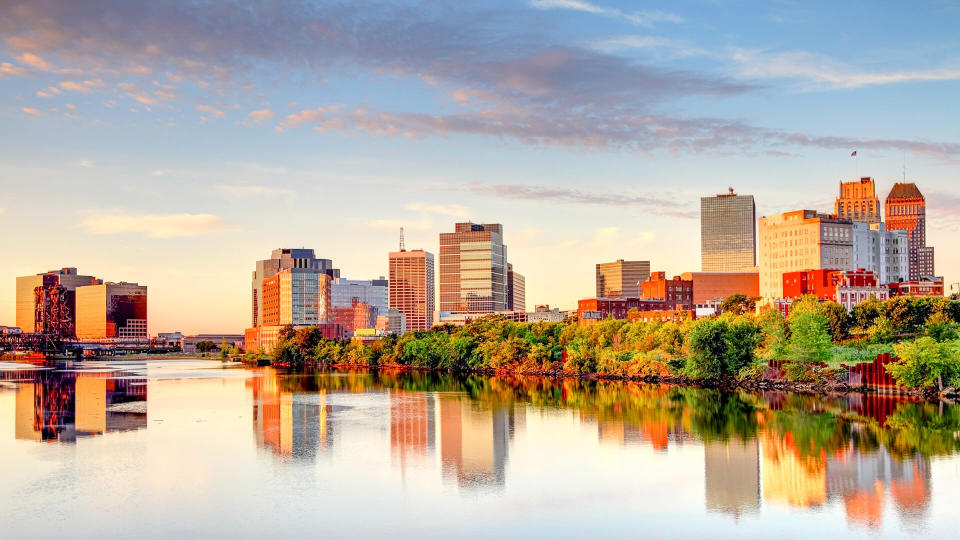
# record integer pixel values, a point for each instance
(812, 344)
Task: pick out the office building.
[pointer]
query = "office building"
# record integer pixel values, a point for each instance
(621, 279)
(858, 202)
(358, 316)
(46, 303)
(710, 286)
(282, 259)
(883, 252)
(473, 269)
(925, 286)
(296, 296)
(374, 292)
(801, 240)
(846, 287)
(674, 292)
(545, 314)
(728, 233)
(412, 287)
(394, 322)
(112, 310)
(906, 209)
(516, 290)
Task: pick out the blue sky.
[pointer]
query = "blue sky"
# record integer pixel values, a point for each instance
(175, 143)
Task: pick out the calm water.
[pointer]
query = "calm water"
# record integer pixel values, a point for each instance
(172, 448)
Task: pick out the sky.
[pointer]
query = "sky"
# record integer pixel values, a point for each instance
(175, 143)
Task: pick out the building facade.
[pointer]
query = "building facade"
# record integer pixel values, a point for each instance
(473, 269)
(728, 233)
(296, 296)
(112, 311)
(858, 201)
(516, 290)
(846, 287)
(676, 292)
(927, 286)
(710, 286)
(801, 240)
(545, 314)
(46, 303)
(621, 279)
(283, 259)
(906, 209)
(883, 252)
(412, 287)
(375, 292)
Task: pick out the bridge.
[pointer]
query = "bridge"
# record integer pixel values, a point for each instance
(54, 345)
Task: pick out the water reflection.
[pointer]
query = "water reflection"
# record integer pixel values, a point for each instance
(61, 405)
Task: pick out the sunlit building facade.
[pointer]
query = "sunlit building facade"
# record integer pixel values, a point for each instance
(801, 240)
(858, 201)
(621, 279)
(473, 269)
(906, 209)
(412, 287)
(283, 259)
(516, 290)
(57, 307)
(373, 292)
(728, 233)
(112, 310)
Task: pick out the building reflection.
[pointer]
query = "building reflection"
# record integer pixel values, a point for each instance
(474, 439)
(731, 473)
(412, 425)
(53, 405)
(288, 422)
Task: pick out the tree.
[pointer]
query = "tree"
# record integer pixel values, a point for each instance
(223, 348)
(809, 341)
(742, 338)
(773, 328)
(924, 363)
(206, 346)
(738, 304)
(838, 320)
(940, 327)
(707, 347)
(581, 356)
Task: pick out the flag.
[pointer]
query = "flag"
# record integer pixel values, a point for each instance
(854, 154)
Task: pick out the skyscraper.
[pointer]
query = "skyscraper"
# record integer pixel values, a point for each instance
(112, 310)
(858, 201)
(728, 233)
(907, 209)
(516, 290)
(412, 287)
(473, 269)
(46, 302)
(281, 259)
(296, 296)
(621, 279)
(801, 240)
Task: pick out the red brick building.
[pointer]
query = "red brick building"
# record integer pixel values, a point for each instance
(847, 288)
(931, 286)
(675, 292)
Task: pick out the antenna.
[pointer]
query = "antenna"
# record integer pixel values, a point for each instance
(402, 248)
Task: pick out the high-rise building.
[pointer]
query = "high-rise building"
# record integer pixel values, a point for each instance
(801, 240)
(412, 287)
(46, 303)
(112, 310)
(374, 292)
(728, 233)
(858, 201)
(621, 279)
(473, 269)
(883, 252)
(907, 209)
(281, 259)
(516, 290)
(296, 296)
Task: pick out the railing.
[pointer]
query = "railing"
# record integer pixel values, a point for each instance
(873, 374)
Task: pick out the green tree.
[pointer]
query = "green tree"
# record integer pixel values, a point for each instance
(742, 338)
(838, 320)
(205, 346)
(223, 348)
(809, 341)
(738, 304)
(707, 345)
(924, 363)
(581, 356)
(940, 327)
(773, 328)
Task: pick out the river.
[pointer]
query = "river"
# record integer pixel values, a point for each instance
(199, 448)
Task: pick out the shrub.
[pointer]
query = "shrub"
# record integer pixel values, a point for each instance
(925, 363)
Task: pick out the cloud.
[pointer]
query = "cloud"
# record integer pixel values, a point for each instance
(86, 164)
(295, 119)
(824, 72)
(71, 106)
(154, 225)
(137, 94)
(241, 192)
(7, 69)
(81, 86)
(675, 48)
(261, 115)
(32, 111)
(35, 62)
(641, 18)
(654, 205)
(454, 210)
(217, 113)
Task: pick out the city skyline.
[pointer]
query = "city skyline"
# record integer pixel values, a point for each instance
(589, 128)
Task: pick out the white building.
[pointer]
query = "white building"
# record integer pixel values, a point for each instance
(545, 314)
(883, 252)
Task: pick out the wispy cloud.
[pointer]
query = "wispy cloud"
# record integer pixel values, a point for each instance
(210, 110)
(81, 86)
(86, 164)
(8, 69)
(261, 115)
(35, 62)
(641, 18)
(154, 225)
(247, 191)
(824, 72)
(654, 205)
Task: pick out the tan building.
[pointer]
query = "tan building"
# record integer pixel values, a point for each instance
(516, 290)
(473, 269)
(728, 233)
(801, 240)
(858, 201)
(412, 287)
(112, 310)
(621, 279)
(57, 309)
(709, 286)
